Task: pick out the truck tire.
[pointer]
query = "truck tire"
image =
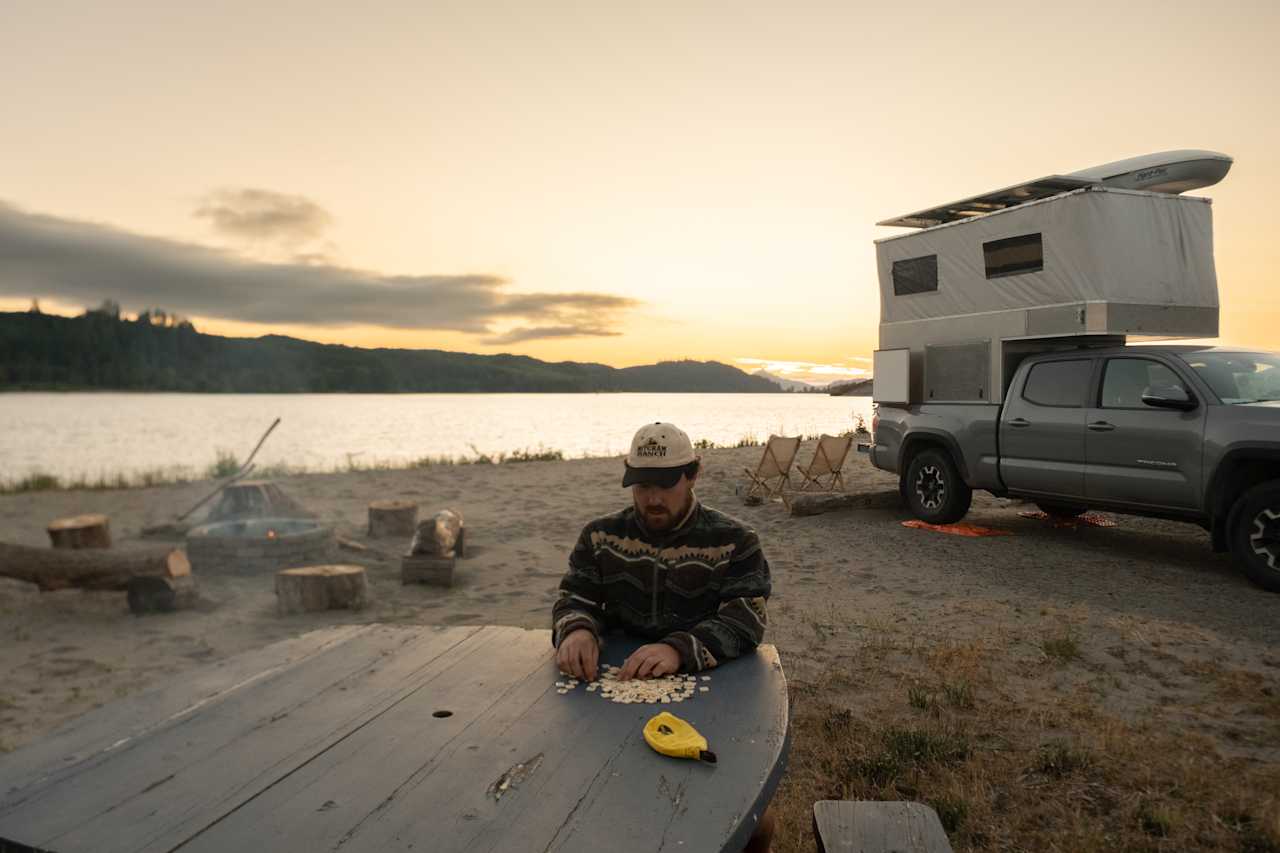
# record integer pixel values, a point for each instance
(1063, 510)
(933, 489)
(1255, 534)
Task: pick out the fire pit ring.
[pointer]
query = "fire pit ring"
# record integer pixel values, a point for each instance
(257, 545)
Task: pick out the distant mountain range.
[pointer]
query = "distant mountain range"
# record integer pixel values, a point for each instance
(101, 350)
(847, 388)
(854, 388)
(785, 384)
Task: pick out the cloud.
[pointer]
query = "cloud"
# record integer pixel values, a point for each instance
(72, 261)
(516, 336)
(258, 215)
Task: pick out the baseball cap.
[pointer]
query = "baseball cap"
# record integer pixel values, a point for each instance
(659, 454)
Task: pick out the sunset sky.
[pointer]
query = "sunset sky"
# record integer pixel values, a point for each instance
(610, 182)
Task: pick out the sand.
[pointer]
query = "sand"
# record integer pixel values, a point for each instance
(844, 582)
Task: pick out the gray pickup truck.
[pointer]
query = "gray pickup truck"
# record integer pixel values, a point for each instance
(1179, 432)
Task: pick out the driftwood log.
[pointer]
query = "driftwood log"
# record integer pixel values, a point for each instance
(60, 568)
(389, 519)
(160, 595)
(81, 531)
(312, 588)
(358, 547)
(172, 530)
(816, 503)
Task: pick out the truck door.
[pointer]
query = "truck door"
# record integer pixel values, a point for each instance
(1042, 429)
(1141, 454)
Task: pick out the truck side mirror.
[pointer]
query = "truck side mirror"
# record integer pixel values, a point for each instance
(1168, 397)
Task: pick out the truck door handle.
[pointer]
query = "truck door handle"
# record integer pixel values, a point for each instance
(1101, 426)
(1019, 423)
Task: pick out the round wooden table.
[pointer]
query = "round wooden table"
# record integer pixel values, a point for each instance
(398, 738)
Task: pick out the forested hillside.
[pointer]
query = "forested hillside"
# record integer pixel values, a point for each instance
(157, 352)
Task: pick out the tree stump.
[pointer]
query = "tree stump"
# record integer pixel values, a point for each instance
(388, 519)
(160, 595)
(312, 588)
(81, 531)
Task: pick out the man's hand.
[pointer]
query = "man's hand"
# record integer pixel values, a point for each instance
(578, 654)
(650, 661)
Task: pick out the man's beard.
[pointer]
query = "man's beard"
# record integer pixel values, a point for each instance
(661, 520)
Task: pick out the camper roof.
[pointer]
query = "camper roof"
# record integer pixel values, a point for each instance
(990, 202)
(1169, 172)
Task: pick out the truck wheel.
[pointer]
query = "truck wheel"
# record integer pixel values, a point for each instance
(933, 489)
(1063, 510)
(1255, 534)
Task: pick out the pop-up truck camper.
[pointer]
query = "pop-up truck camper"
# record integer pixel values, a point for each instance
(1067, 260)
(1003, 362)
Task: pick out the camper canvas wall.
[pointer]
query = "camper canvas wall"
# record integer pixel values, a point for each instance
(1093, 263)
(1091, 245)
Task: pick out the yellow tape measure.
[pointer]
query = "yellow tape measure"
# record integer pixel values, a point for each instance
(670, 735)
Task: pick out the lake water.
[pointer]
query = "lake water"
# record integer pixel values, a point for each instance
(89, 435)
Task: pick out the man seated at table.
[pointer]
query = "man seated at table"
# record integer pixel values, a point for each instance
(667, 569)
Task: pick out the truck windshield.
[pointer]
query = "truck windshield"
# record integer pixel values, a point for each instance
(1238, 377)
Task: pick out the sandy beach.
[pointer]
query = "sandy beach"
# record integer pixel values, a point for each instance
(1102, 687)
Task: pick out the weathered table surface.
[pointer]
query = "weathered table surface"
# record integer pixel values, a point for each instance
(388, 738)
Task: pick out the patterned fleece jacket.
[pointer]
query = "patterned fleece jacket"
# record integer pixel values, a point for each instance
(700, 588)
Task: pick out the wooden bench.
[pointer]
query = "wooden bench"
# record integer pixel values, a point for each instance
(844, 826)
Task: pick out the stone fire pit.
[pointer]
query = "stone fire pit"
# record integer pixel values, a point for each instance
(257, 545)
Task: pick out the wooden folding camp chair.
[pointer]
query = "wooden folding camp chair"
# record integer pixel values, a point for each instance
(828, 459)
(773, 474)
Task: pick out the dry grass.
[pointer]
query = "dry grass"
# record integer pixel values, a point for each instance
(1017, 763)
(39, 481)
(226, 464)
(1062, 648)
(1238, 685)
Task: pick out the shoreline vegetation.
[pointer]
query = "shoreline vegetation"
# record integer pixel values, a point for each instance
(227, 463)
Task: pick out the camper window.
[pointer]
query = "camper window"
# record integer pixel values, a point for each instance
(1014, 255)
(915, 275)
(1059, 383)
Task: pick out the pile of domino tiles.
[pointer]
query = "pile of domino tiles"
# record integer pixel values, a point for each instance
(664, 689)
